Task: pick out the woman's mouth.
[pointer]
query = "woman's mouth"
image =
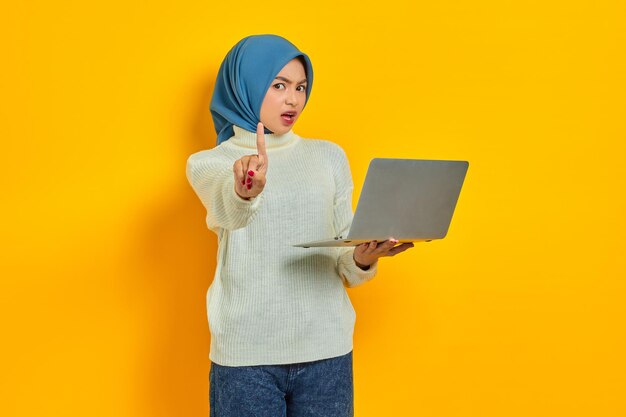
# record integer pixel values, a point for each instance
(288, 117)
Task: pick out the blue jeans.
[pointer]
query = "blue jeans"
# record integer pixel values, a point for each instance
(322, 388)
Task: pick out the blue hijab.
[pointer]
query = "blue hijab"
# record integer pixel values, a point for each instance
(244, 77)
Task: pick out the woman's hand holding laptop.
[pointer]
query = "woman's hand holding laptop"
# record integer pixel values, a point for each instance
(366, 254)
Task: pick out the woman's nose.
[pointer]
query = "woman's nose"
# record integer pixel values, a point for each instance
(291, 98)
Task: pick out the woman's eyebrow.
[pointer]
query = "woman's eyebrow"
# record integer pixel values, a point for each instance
(287, 80)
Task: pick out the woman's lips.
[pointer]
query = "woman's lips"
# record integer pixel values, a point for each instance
(287, 119)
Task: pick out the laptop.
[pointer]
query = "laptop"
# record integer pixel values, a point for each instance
(411, 200)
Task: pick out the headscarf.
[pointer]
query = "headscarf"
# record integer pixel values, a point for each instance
(244, 77)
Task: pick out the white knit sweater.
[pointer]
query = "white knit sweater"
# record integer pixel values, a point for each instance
(269, 302)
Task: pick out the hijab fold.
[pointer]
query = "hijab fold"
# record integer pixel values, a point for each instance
(244, 77)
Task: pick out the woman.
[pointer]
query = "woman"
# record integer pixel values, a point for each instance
(280, 318)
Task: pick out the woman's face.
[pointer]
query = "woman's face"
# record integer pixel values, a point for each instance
(285, 98)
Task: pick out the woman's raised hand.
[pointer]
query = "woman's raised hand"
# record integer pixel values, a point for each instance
(250, 170)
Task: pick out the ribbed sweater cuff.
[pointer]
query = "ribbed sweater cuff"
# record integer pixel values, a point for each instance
(354, 275)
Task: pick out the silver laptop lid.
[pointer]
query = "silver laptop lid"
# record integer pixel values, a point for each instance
(408, 198)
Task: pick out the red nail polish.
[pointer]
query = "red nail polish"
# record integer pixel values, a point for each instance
(249, 180)
(249, 186)
(251, 173)
(243, 182)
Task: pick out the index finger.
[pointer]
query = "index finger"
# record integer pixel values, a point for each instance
(260, 144)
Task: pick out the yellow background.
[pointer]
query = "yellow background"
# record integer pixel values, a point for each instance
(105, 261)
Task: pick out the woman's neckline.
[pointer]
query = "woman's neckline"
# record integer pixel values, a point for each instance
(247, 139)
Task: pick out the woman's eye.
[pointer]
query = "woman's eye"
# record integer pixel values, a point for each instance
(303, 87)
(276, 85)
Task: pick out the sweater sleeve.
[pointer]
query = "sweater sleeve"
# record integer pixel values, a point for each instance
(213, 181)
(350, 273)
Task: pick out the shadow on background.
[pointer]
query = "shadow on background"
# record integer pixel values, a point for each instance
(174, 258)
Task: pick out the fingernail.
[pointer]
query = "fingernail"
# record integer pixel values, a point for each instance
(251, 173)
(249, 186)
(249, 180)
(243, 182)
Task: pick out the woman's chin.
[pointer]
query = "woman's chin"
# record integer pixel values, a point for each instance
(280, 130)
